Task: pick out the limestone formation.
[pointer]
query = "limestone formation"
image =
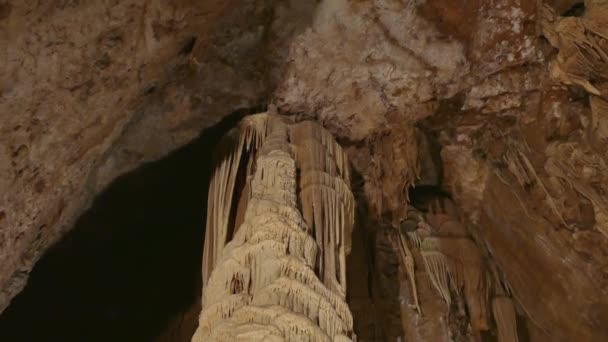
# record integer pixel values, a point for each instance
(457, 270)
(583, 46)
(282, 274)
(512, 96)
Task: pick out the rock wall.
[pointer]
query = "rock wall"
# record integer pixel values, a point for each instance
(90, 90)
(514, 92)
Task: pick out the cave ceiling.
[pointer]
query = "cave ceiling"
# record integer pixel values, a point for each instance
(514, 93)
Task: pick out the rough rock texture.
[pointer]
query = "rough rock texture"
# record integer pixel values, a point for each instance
(90, 90)
(273, 271)
(513, 91)
(523, 159)
(395, 61)
(504, 86)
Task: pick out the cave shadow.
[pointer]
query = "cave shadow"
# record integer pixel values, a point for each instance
(130, 269)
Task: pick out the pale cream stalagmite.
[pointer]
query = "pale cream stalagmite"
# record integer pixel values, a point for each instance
(326, 199)
(266, 281)
(248, 137)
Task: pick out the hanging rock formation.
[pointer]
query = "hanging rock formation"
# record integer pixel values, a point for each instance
(90, 90)
(448, 290)
(280, 275)
(512, 94)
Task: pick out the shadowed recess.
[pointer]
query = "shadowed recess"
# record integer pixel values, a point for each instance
(130, 269)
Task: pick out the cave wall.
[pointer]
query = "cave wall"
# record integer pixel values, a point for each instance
(483, 77)
(95, 101)
(129, 269)
(91, 89)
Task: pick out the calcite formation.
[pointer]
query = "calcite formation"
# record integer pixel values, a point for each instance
(457, 270)
(500, 104)
(281, 274)
(90, 90)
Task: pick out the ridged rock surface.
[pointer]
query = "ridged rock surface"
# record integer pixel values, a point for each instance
(90, 90)
(513, 92)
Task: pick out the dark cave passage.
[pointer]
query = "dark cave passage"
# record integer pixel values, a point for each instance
(130, 269)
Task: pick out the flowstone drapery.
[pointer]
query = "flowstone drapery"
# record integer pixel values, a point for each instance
(457, 270)
(278, 231)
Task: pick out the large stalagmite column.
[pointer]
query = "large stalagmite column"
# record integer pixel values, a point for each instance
(262, 282)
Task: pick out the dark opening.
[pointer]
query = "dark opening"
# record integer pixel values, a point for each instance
(130, 269)
(577, 10)
(423, 196)
(188, 46)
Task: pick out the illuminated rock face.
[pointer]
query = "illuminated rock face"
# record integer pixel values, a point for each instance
(511, 94)
(281, 273)
(90, 90)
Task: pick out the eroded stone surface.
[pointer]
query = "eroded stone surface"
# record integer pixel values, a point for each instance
(90, 90)
(84, 101)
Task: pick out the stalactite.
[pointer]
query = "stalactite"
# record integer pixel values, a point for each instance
(414, 238)
(446, 226)
(323, 180)
(328, 207)
(326, 200)
(293, 268)
(437, 269)
(561, 164)
(408, 262)
(599, 118)
(393, 169)
(281, 229)
(248, 135)
(264, 283)
(521, 167)
(455, 263)
(457, 269)
(308, 132)
(310, 155)
(582, 44)
(469, 273)
(506, 320)
(242, 207)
